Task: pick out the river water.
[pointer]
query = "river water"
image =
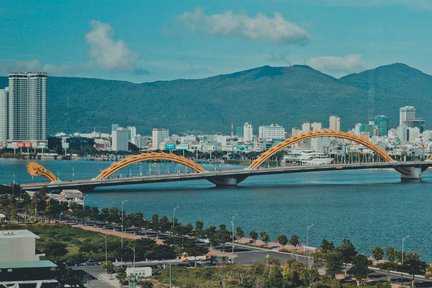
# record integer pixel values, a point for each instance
(369, 207)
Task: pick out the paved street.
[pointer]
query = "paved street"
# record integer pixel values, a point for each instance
(101, 279)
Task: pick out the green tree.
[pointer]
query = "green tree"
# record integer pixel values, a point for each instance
(294, 240)
(428, 273)
(239, 232)
(55, 249)
(282, 239)
(327, 246)
(377, 253)
(347, 250)
(265, 237)
(293, 273)
(39, 201)
(413, 265)
(392, 254)
(359, 268)
(69, 277)
(334, 262)
(253, 235)
(199, 225)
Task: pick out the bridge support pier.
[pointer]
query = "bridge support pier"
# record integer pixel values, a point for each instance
(226, 181)
(415, 174)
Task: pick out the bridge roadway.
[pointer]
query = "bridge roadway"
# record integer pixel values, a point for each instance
(218, 176)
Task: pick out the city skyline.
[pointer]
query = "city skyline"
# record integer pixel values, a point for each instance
(192, 39)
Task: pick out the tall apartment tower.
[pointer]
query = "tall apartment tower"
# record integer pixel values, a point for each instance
(4, 95)
(158, 136)
(247, 132)
(27, 108)
(406, 114)
(334, 123)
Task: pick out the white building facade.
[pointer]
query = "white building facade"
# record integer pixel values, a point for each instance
(334, 123)
(159, 135)
(120, 139)
(272, 132)
(247, 132)
(27, 108)
(3, 117)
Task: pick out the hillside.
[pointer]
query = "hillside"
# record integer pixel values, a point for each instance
(264, 95)
(396, 85)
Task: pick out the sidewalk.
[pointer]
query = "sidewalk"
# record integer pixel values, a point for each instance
(115, 233)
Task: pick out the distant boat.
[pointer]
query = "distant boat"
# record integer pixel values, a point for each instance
(307, 157)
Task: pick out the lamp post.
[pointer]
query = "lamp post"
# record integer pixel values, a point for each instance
(403, 242)
(133, 249)
(122, 204)
(173, 217)
(307, 236)
(106, 252)
(233, 236)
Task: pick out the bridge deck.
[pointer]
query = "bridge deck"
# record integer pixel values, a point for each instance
(88, 184)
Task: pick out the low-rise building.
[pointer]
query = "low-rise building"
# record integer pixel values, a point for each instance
(20, 265)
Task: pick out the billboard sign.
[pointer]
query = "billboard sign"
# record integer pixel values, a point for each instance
(170, 146)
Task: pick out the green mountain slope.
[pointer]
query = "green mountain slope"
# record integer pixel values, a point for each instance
(264, 95)
(395, 85)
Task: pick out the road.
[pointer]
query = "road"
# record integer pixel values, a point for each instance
(89, 184)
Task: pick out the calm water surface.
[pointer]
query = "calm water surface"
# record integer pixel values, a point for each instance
(369, 207)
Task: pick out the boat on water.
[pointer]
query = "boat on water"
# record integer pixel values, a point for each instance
(306, 157)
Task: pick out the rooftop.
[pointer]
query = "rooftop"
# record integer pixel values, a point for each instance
(27, 264)
(8, 234)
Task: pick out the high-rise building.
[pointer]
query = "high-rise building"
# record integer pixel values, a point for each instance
(334, 123)
(4, 95)
(272, 132)
(306, 127)
(406, 114)
(132, 133)
(408, 118)
(247, 132)
(120, 139)
(27, 108)
(158, 136)
(316, 126)
(381, 122)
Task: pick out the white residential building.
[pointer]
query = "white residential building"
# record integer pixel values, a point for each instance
(316, 126)
(334, 123)
(159, 135)
(306, 127)
(3, 117)
(247, 132)
(120, 139)
(272, 132)
(132, 133)
(406, 114)
(27, 108)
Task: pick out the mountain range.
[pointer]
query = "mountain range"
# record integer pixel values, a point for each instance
(288, 96)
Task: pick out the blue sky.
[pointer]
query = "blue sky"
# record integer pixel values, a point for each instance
(142, 41)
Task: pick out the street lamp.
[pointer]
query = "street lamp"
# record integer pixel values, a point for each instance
(307, 236)
(106, 252)
(173, 218)
(133, 249)
(403, 241)
(122, 203)
(233, 236)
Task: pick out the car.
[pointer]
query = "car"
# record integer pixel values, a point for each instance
(90, 262)
(71, 262)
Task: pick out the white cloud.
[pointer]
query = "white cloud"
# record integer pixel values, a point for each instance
(259, 28)
(332, 64)
(107, 53)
